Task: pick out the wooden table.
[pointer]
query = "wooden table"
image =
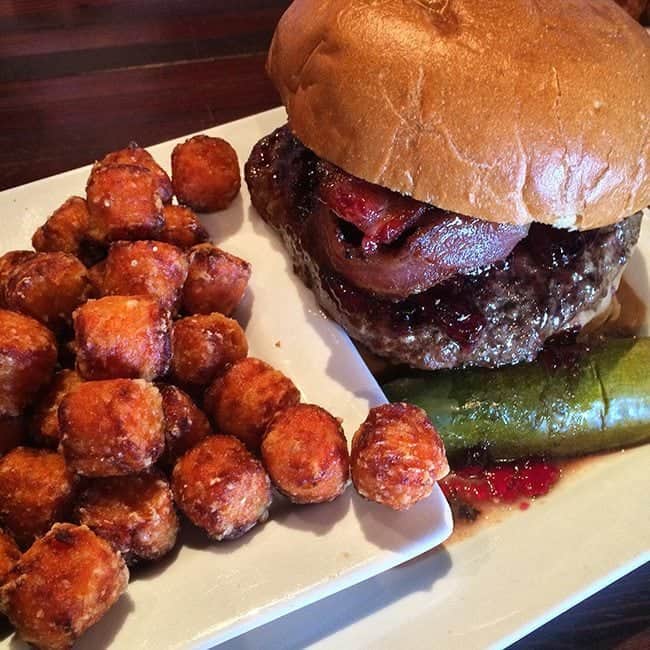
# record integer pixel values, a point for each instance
(79, 78)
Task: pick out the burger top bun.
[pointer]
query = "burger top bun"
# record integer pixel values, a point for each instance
(509, 110)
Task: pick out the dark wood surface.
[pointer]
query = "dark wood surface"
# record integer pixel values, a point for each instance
(80, 78)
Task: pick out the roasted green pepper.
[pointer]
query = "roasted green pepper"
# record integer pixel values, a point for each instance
(598, 401)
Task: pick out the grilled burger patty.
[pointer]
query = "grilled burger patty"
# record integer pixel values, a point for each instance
(489, 316)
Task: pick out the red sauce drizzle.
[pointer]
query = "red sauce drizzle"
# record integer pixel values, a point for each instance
(501, 482)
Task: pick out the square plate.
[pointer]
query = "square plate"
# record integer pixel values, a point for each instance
(206, 593)
(508, 576)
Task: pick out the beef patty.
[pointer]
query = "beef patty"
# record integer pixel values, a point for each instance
(496, 315)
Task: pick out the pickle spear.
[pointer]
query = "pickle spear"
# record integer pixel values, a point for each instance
(599, 401)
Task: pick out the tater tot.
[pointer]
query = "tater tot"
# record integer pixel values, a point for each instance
(243, 401)
(112, 427)
(45, 419)
(48, 287)
(185, 424)
(122, 336)
(8, 262)
(66, 230)
(13, 432)
(216, 281)
(204, 346)
(182, 227)
(205, 173)
(36, 490)
(134, 514)
(221, 487)
(9, 554)
(123, 203)
(27, 359)
(62, 585)
(305, 453)
(149, 268)
(135, 155)
(397, 456)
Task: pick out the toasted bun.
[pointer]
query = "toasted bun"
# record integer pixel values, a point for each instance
(510, 110)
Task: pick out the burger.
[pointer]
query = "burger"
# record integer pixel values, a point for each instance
(458, 180)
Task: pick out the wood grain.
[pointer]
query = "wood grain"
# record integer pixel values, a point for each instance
(81, 77)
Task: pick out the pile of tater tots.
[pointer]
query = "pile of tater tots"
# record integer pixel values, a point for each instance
(127, 396)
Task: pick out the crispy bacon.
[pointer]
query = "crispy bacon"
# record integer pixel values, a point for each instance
(407, 247)
(381, 215)
(442, 245)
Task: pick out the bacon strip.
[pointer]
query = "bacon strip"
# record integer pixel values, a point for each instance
(435, 244)
(381, 215)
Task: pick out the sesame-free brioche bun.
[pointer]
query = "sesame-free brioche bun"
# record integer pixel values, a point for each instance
(511, 110)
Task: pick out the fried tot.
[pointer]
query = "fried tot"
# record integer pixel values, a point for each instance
(123, 203)
(221, 487)
(27, 359)
(305, 453)
(205, 173)
(134, 514)
(48, 287)
(182, 227)
(149, 268)
(45, 419)
(185, 424)
(66, 231)
(216, 281)
(204, 346)
(244, 400)
(36, 490)
(122, 337)
(397, 456)
(135, 155)
(61, 586)
(8, 262)
(112, 427)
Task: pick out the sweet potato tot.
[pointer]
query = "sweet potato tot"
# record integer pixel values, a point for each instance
(182, 227)
(112, 427)
(204, 346)
(8, 262)
(66, 231)
(149, 268)
(134, 514)
(122, 336)
(61, 586)
(216, 281)
(48, 287)
(243, 401)
(397, 456)
(36, 490)
(27, 359)
(123, 203)
(305, 453)
(221, 487)
(205, 173)
(135, 155)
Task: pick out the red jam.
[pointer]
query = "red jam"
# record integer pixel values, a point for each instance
(502, 482)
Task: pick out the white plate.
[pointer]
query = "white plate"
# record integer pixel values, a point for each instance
(207, 593)
(506, 579)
